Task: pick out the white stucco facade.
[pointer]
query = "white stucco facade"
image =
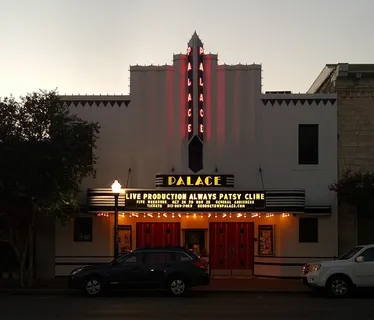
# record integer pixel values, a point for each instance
(247, 133)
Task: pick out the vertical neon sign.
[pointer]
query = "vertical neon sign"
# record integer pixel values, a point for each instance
(201, 93)
(190, 113)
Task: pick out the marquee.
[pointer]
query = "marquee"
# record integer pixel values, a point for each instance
(150, 200)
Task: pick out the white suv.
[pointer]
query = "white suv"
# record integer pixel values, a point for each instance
(340, 276)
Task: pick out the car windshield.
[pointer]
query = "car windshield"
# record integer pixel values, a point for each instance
(119, 259)
(350, 253)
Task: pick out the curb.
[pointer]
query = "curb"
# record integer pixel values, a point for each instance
(64, 292)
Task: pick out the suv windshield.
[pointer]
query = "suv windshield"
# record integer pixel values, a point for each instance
(350, 253)
(192, 254)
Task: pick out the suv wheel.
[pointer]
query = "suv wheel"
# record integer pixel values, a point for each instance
(338, 286)
(177, 287)
(93, 286)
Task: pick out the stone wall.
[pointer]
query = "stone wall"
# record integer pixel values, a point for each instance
(355, 145)
(356, 131)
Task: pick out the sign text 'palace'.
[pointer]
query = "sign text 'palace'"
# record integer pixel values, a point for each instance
(208, 181)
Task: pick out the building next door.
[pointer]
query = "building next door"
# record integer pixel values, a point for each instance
(231, 248)
(157, 234)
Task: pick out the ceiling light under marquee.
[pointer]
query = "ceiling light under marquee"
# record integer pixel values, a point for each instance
(202, 215)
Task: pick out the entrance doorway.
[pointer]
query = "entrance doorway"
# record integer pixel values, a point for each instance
(124, 239)
(194, 239)
(231, 248)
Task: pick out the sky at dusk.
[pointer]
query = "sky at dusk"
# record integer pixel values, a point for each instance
(86, 46)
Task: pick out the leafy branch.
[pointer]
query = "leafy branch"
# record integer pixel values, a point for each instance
(355, 188)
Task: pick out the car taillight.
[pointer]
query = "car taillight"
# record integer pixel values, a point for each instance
(199, 264)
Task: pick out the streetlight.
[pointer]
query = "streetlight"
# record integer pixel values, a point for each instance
(116, 189)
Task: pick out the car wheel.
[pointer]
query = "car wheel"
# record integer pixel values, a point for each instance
(177, 287)
(338, 286)
(93, 286)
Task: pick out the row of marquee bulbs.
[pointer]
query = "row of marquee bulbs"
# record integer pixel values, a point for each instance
(210, 215)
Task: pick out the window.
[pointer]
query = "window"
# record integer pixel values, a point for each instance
(348, 255)
(308, 230)
(131, 258)
(368, 255)
(183, 257)
(308, 143)
(157, 257)
(83, 229)
(195, 155)
(90, 151)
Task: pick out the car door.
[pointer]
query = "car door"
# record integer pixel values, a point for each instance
(128, 271)
(364, 271)
(157, 264)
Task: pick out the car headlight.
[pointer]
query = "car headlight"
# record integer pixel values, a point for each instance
(74, 272)
(314, 267)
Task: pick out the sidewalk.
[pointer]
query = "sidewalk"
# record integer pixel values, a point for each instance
(258, 285)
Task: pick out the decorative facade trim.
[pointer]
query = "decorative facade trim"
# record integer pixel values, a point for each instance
(288, 101)
(105, 103)
(96, 100)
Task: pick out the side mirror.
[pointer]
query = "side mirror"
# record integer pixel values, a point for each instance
(360, 259)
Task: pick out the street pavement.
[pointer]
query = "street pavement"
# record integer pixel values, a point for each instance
(198, 305)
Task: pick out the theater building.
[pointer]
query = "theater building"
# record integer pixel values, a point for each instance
(206, 160)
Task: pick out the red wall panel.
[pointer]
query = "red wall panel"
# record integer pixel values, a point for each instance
(157, 234)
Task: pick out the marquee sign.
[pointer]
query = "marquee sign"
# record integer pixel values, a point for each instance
(163, 201)
(190, 74)
(200, 90)
(188, 181)
(195, 84)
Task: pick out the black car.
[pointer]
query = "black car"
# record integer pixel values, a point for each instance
(171, 269)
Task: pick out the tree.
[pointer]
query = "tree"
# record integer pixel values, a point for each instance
(356, 189)
(45, 153)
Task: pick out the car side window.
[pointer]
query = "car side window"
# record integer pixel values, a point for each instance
(368, 255)
(130, 258)
(157, 257)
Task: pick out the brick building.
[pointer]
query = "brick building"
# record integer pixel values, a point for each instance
(354, 85)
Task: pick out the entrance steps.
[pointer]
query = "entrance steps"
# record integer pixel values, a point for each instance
(241, 273)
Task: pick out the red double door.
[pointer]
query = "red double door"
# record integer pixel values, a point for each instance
(231, 245)
(157, 234)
